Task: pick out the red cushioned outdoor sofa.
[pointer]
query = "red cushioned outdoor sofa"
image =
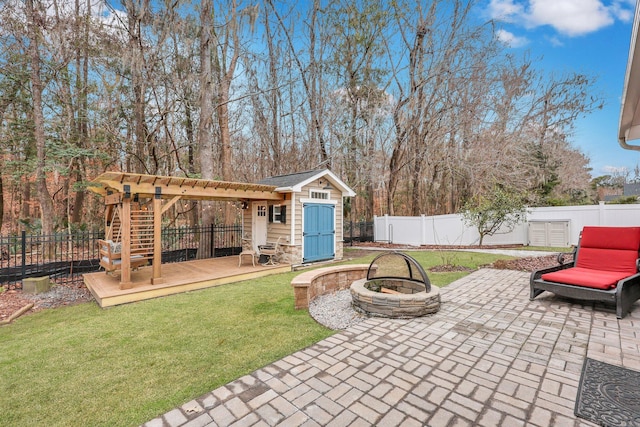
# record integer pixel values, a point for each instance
(605, 268)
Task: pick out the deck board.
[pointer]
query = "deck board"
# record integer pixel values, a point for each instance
(177, 278)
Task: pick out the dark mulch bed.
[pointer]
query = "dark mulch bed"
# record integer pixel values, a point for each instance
(530, 263)
(12, 298)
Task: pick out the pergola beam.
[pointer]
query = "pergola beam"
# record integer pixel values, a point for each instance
(187, 188)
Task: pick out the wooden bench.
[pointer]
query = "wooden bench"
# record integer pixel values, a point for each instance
(605, 268)
(311, 284)
(110, 256)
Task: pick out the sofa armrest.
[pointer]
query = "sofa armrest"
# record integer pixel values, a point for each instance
(562, 255)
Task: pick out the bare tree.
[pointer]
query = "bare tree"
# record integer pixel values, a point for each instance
(311, 77)
(36, 21)
(207, 96)
(356, 40)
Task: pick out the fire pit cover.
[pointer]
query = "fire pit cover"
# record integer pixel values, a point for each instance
(397, 265)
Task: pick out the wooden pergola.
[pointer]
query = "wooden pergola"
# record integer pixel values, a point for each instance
(121, 189)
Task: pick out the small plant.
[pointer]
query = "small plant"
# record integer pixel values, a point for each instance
(499, 209)
(448, 258)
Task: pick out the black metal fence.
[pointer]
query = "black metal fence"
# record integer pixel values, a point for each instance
(65, 257)
(361, 231)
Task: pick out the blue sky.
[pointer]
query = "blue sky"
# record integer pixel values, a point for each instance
(586, 36)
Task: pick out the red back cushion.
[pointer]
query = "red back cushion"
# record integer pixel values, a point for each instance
(609, 248)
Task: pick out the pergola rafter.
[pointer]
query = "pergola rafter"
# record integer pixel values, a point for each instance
(145, 186)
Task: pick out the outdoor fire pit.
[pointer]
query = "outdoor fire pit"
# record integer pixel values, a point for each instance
(396, 286)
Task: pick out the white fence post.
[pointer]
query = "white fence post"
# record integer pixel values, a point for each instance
(387, 237)
(375, 228)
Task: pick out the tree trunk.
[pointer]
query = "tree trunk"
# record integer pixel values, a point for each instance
(225, 148)
(44, 198)
(136, 64)
(206, 118)
(225, 76)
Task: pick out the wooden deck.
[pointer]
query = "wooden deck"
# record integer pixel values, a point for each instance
(177, 277)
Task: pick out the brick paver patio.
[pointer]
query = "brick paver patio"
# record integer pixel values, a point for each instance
(490, 357)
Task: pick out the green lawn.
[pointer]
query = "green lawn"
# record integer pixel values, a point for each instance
(84, 366)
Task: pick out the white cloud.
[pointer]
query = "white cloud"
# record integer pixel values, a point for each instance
(555, 41)
(623, 10)
(615, 170)
(511, 39)
(567, 17)
(505, 10)
(570, 17)
(111, 19)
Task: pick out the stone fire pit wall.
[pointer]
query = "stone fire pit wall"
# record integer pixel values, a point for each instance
(313, 283)
(410, 302)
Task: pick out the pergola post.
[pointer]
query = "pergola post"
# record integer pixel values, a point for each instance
(157, 237)
(125, 271)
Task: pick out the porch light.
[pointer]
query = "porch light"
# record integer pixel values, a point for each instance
(326, 186)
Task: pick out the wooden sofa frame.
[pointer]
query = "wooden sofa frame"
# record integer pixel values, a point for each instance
(111, 261)
(624, 294)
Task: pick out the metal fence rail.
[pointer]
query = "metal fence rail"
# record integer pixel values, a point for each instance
(65, 257)
(361, 231)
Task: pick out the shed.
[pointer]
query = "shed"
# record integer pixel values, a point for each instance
(308, 220)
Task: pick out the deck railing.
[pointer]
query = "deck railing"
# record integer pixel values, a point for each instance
(66, 256)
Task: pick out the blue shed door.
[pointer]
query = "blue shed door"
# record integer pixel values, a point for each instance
(319, 232)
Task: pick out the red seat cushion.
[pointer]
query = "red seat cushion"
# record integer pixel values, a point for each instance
(607, 260)
(587, 277)
(611, 238)
(609, 249)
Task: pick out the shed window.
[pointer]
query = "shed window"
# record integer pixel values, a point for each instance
(278, 214)
(319, 195)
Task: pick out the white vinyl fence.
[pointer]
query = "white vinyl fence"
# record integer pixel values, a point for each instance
(558, 226)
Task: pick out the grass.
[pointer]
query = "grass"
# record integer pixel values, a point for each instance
(125, 365)
(432, 258)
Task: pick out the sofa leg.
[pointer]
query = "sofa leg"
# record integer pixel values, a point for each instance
(619, 310)
(622, 308)
(534, 293)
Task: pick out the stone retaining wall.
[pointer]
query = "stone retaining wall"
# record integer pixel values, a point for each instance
(313, 283)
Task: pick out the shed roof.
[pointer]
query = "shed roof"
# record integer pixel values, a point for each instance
(295, 181)
(289, 180)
